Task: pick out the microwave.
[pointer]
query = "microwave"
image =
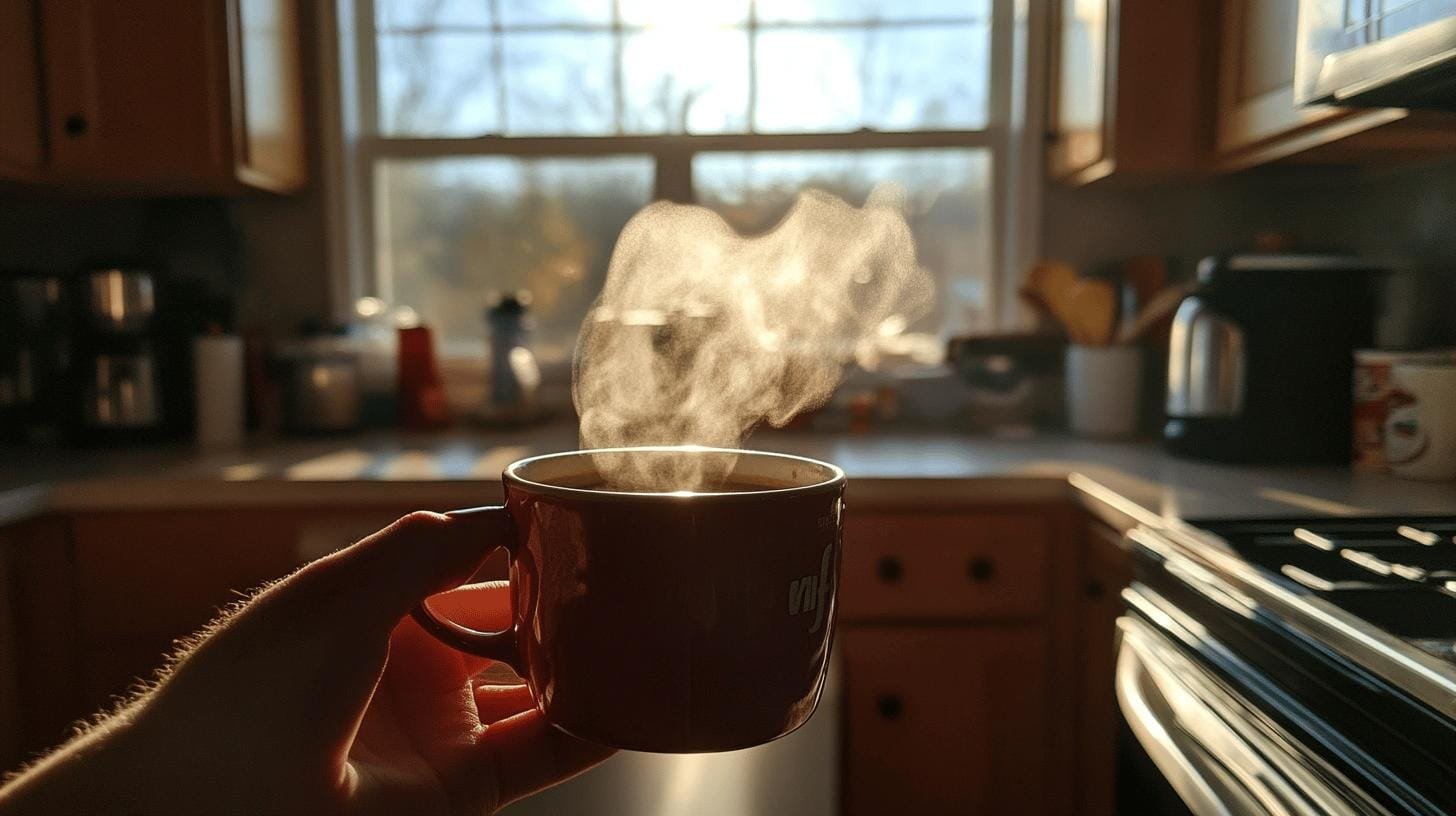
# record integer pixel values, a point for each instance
(1376, 53)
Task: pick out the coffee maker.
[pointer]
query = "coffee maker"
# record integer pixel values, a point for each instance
(1261, 354)
(117, 377)
(34, 355)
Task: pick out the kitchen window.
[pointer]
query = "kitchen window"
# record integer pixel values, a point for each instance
(499, 145)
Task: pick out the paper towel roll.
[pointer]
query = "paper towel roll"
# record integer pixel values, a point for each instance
(217, 365)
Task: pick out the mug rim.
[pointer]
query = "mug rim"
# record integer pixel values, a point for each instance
(511, 475)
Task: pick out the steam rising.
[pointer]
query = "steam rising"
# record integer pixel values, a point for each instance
(701, 333)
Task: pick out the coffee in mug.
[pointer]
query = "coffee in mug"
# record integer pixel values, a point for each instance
(651, 617)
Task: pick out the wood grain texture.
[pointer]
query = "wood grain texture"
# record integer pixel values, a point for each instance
(45, 666)
(267, 94)
(1157, 87)
(22, 148)
(145, 579)
(155, 96)
(909, 566)
(942, 721)
(136, 90)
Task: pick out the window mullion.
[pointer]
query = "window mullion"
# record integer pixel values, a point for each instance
(753, 66)
(498, 65)
(366, 51)
(674, 179)
(618, 103)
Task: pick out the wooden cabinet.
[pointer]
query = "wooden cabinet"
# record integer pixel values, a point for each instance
(153, 96)
(1128, 88)
(946, 566)
(22, 152)
(945, 720)
(39, 665)
(1258, 121)
(950, 641)
(93, 603)
(143, 579)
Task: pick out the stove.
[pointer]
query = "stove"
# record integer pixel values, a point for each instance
(1396, 575)
(1296, 665)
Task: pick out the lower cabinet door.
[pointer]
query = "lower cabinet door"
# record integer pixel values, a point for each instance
(945, 720)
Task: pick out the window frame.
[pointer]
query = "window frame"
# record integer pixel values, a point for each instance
(353, 147)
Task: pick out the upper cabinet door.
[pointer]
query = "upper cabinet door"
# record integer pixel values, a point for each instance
(22, 150)
(1080, 86)
(1128, 89)
(136, 90)
(267, 103)
(157, 96)
(1256, 87)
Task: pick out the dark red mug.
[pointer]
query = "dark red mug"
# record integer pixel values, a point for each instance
(668, 621)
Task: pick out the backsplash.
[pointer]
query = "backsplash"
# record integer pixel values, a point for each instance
(271, 251)
(1400, 213)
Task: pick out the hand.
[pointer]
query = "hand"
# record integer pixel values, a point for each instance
(319, 695)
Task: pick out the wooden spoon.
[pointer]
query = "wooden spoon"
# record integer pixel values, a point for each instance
(1093, 310)
(1052, 282)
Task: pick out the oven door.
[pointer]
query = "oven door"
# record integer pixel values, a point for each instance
(1213, 747)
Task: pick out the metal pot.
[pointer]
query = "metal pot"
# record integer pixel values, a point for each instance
(324, 388)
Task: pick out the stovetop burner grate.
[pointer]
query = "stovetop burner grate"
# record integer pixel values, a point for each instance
(1398, 574)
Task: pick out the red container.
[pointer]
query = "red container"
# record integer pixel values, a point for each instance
(421, 395)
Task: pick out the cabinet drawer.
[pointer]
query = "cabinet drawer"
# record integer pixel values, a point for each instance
(908, 566)
(145, 578)
(946, 720)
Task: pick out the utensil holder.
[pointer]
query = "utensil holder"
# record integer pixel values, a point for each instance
(1103, 385)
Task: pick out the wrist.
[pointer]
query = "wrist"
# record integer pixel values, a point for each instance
(89, 774)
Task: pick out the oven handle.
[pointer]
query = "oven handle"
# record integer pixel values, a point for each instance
(1180, 771)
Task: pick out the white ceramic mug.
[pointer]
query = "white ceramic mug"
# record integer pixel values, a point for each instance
(1420, 422)
(1103, 389)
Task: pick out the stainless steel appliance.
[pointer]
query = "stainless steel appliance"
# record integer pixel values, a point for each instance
(1295, 666)
(1377, 53)
(1259, 358)
(117, 374)
(324, 386)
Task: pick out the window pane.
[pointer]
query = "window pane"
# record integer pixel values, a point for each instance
(1083, 66)
(547, 12)
(947, 205)
(427, 13)
(882, 77)
(558, 82)
(685, 81)
(672, 13)
(437, 85)
(839, 11)
(451, 231)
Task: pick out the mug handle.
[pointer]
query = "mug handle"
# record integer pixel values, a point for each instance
(502, 645)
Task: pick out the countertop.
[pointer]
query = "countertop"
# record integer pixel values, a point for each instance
(1125, 482)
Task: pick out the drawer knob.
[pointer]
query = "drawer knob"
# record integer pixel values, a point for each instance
(75, 125)
(981, 569)
(889, 569)
(890, 706)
